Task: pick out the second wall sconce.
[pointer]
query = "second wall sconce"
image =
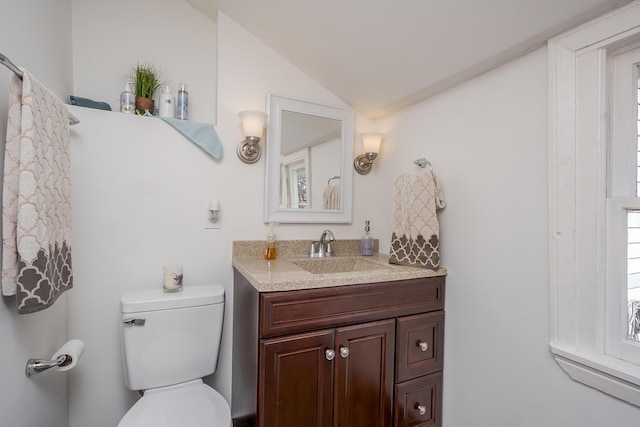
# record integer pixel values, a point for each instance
(253, 126)
(371, 143)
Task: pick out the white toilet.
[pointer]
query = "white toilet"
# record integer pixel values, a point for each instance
(169, 342)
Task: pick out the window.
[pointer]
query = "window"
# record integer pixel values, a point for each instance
(594, 203)
(633, 239)
(623, 210)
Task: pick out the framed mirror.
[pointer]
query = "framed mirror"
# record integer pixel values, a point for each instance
(309, 151)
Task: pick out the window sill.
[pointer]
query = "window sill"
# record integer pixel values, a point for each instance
(610, 375)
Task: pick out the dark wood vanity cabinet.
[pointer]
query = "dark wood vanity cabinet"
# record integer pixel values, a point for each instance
(359, 355)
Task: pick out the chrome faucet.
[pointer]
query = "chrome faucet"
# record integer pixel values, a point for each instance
(324, 249)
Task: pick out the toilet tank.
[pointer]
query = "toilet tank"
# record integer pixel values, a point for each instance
(169, 338)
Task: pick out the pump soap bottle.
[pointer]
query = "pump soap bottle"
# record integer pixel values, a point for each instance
(366, 242)
(128, 99)
(270, 251)
(167, 105)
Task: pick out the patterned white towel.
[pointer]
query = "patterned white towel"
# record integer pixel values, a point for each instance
(36, 213)
(415, 238)
(331, 197)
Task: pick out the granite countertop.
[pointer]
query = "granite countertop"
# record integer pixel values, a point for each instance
(282, 274)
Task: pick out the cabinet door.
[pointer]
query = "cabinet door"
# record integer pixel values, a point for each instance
(296, 381)
(363, 393)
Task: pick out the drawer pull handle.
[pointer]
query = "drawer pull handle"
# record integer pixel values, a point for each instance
(421, 409)
(424, 346)
(344, 352)
(329, 354)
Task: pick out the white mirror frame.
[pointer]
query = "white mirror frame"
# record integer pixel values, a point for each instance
(272, 210)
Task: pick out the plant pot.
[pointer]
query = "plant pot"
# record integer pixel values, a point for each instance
(144, 104)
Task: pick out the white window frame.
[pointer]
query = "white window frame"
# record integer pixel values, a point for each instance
(622, 188)
(579, 118)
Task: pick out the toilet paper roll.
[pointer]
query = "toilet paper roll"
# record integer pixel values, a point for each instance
(73, 349)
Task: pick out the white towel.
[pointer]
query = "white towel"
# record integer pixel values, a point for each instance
(416, 233)
(331, 197)
(36, 235)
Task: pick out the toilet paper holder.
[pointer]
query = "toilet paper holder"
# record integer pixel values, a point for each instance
(35, 366)
(62, 360)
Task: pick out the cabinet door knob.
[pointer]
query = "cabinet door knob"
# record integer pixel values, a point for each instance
(421, 409)
(344, 351)
(424, 346)
(329, 354)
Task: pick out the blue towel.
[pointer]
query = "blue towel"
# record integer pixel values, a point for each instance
(201, 134)
(89, 103)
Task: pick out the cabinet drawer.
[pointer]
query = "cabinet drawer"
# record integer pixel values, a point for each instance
(419, 402)
(309, 309)
(419, 345)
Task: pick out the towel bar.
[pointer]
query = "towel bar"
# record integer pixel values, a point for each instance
(73, 120)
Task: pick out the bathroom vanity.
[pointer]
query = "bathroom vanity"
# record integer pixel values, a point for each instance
(347, 348)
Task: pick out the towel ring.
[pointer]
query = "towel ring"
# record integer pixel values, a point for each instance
(422, 162)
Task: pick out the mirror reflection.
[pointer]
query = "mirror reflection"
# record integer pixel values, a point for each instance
(309, 150)
(308, 140)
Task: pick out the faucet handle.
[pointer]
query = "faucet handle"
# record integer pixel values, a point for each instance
(329, 251)
(313, 252)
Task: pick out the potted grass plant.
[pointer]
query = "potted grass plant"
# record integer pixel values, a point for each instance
(146, 80)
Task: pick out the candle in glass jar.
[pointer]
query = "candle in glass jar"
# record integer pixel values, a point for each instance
(172, 278)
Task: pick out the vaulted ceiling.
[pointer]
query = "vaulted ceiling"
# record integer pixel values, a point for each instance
(382, 55)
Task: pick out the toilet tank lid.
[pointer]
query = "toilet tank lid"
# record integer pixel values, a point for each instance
(156, 299)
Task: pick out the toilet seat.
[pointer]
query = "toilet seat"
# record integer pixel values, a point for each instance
(190, 404)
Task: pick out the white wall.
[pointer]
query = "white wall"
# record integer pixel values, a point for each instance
(44, 48)
(141, 191)
(487, 140)
(109, 37)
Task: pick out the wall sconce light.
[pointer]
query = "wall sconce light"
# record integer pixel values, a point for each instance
(253, 126)
(214, 211)
(371, 143)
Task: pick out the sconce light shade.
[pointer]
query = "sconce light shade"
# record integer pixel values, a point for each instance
(371, 143)
(252, 126)
(252, 122)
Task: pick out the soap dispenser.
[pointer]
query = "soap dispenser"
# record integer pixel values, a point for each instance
(366, 242)
(167, 106)
(270, 251)
(128, 99)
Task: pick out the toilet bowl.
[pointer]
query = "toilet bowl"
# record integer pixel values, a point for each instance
(192, 404)
(169, 342)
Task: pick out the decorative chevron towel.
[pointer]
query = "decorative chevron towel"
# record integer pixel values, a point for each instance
(36, 212)
(416, 233)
